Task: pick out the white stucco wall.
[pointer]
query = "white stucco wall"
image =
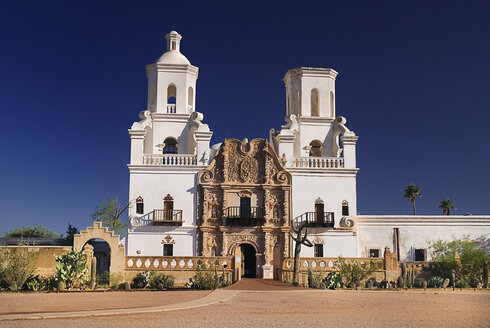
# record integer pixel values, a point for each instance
(332, 189)
(148, 241)
(335, 243)
(416, 232)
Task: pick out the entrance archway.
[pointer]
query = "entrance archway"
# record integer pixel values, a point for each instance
(102, 252)
(249, 261)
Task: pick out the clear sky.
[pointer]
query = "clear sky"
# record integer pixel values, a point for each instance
(413, 83)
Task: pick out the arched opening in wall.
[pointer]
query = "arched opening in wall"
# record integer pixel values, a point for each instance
(170, 146)
(345, 208)
(315, 103)
(171, 98)
(102, 252)
(316, 148)
(249, 260)
(140, 205)
(168, 207)
(190, 98)
(332, 104)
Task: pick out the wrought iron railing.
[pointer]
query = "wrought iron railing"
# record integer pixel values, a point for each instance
(315, 219)
(244, 216)
(167, 216)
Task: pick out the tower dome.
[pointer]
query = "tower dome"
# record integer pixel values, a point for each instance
(173, 56)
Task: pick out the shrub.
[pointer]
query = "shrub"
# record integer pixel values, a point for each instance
(115, 280)
(161, 281)
(72, 269)
(38, 283)
(472, 259)
(461, 284)
(314, 278)
(205, 280)
(16, 266)
(353, 273)
(104, 278)
(435, 282)
(124, 286)
(400, 283)
(333, 280)
(140, 280)
(419, 283)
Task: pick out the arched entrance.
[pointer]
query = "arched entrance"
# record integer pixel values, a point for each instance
(249, 261)
(102, 252)
(96, 232)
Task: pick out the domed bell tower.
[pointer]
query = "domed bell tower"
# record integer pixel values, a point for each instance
(172, 81)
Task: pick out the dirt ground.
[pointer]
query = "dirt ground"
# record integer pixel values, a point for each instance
(11, 303)
(293, 308)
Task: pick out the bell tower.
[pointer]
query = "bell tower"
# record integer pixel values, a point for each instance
(310, 92)
(172, 81)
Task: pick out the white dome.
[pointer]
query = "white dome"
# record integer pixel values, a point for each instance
(174, 57)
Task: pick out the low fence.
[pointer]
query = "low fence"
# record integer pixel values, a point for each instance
(182, 267)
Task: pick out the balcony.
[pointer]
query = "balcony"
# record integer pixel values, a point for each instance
(316, 219)
(318, 162)
(244, 216)
(170, 159)
(167, 217)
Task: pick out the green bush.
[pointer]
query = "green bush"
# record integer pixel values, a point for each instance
(104, 278)
(140, 280)
(16, 266)
(400, 283)
(161, 281)
(115, 280)
(472, 259)
(461, 284)
(205, 280)
(72, 269)
(37, 283)
(418, 282)
(435, 282)
(314, 278)
(333, 280)
(353, 272)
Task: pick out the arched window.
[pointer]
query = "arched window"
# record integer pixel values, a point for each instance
(315, 103)
(332, 104)
(170, 146)
(345, 208)
(171, 98)
(139, 205)
(190, 97)
(316, 148)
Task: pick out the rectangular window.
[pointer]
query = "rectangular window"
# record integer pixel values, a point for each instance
(345, 210)
(168, 250)
(374, 252)
(139, 208)
(420, 255)
(318, 250)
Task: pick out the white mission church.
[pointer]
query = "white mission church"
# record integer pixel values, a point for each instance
(190, 198)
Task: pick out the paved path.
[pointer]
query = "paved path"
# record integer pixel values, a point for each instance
(217, 296)
(262, 284)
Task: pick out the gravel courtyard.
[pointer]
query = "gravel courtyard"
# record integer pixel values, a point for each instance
(280, 308)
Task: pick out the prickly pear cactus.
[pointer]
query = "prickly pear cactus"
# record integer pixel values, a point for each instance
(445, 283)
(424, 284)
(93, 272)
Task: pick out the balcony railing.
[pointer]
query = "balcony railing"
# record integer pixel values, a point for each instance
(244, 216)
(318, 162)
(167, 217)
(170, 159)
(316, 219)
(171, 108)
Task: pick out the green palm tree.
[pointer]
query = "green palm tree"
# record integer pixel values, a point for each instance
(447, 205)
(412, 192)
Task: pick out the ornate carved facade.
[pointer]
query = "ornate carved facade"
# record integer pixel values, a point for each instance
(245, 198)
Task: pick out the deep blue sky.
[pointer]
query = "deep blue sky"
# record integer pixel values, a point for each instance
(413, 84)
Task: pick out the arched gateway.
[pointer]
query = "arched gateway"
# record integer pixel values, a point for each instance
(244, 200)
(100, 232)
